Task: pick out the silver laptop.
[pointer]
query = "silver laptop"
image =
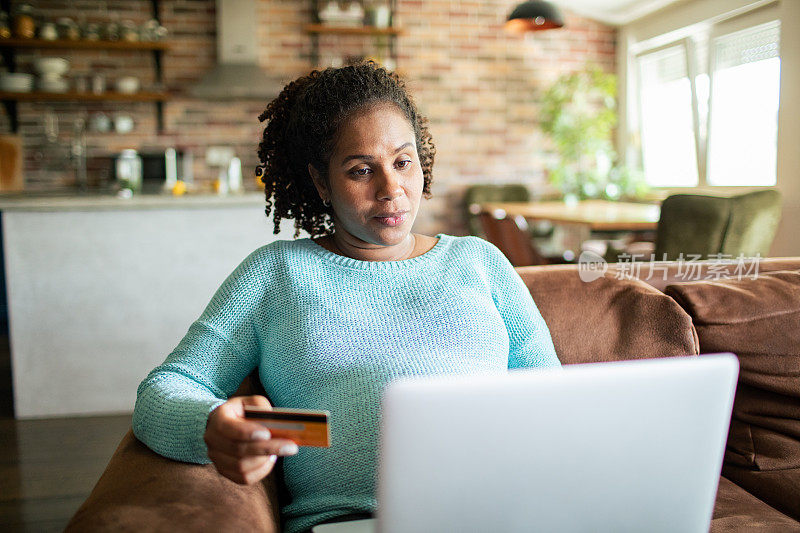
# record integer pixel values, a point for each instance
(623, 446)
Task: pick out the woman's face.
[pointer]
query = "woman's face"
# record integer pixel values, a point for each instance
(375, 180)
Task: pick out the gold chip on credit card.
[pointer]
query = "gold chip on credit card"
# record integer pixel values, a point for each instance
(305, 427)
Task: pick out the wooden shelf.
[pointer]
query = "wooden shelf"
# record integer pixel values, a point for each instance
(352, 30)
(83, 44)
(85, 97)
(10, 48)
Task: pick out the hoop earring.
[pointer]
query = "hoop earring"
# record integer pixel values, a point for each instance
(326, 203)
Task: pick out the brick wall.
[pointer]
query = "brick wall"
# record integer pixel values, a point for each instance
(478, 86)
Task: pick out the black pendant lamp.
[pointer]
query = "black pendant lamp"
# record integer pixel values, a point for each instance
(534, 16)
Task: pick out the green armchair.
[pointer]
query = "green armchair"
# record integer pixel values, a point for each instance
(693, 224)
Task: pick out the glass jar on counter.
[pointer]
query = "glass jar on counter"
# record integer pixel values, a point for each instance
(128, 168)
(24, 25)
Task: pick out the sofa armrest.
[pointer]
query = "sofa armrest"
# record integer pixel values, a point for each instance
(143, 491)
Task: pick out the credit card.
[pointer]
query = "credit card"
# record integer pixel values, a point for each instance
(302, 426)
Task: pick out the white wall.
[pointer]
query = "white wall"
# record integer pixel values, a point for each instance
(787, 242)
(677, 16)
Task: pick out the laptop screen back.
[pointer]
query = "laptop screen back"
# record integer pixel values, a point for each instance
(623, 446)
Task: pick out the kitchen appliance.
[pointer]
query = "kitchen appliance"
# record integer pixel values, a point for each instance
(237, 74)
(161, 169)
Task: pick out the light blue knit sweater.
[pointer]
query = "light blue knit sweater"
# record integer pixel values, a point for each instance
(329, 332)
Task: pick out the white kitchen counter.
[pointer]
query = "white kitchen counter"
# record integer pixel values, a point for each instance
(90, 202)
(101, 290)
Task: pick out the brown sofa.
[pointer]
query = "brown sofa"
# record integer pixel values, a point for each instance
(610, 318)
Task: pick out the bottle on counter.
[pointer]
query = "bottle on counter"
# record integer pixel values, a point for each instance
(170, 168)
(235, 175)
(187, 169)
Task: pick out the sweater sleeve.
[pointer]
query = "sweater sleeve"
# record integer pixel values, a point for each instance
(219, 350)
(530, 343)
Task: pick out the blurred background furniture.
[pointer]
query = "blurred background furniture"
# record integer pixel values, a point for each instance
(693, 224)
(589, 224)
(480, 194)
(593, 215)
(512, 235)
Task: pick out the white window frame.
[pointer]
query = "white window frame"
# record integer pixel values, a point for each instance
(688, 37)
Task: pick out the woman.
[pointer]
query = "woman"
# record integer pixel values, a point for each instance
(330, 320)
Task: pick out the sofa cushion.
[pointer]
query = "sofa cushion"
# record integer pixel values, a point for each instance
(607, 319)
(737, 510)
(757, 319)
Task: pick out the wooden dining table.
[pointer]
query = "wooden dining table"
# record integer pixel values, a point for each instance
(594, 215)
(576, 223)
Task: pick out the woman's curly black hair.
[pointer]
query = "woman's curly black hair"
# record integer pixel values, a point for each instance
(302, 127)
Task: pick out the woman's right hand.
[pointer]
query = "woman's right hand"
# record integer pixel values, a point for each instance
(241, 450)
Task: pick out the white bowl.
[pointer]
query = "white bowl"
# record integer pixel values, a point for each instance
(16, 82)
(51, 65)
(128, 85)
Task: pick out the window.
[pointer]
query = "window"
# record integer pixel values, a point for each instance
(708, 106)
(665, 98)
(743, 122)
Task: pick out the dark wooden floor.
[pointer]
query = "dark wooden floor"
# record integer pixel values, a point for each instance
(48, 467)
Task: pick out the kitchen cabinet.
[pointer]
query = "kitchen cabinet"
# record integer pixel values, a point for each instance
(385, 38)
(10, 47)
(100, 290)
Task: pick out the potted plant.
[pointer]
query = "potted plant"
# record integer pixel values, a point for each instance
(579, 114)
